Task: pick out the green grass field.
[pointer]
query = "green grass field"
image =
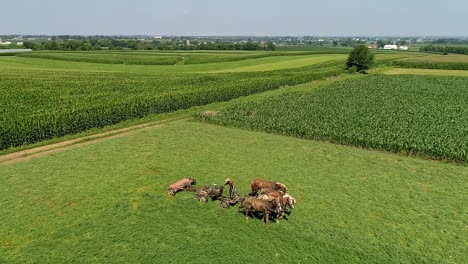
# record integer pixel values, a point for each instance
(107, 202)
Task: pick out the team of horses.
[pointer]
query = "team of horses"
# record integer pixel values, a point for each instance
(267, 198)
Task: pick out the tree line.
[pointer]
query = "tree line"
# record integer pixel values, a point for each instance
(119, 44)
(445, 49)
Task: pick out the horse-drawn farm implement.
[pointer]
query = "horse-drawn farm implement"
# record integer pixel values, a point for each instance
(205, 193)
(265, 197)
(186, 184)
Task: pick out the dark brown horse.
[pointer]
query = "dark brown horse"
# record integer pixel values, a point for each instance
(268, 194)
(260, 184)
(253, 204)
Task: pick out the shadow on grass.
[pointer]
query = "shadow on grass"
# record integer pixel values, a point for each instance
(259, 216)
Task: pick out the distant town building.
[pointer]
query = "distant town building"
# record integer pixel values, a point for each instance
(403, 47)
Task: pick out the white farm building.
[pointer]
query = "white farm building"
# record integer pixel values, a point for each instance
(390, 47)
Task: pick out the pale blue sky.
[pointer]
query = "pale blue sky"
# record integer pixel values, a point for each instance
(241, 17)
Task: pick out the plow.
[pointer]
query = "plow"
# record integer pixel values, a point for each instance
(186, 184)
(205, 193)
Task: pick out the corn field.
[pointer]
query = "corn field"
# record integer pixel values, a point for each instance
(416, 115)
(108, 58)
(39, 105)
(156, 58)
(431, 64)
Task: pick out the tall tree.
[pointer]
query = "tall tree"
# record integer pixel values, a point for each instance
(270, 46)
(380, 43)
(361, 58)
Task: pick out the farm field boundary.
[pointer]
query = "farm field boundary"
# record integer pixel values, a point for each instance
(42, 148)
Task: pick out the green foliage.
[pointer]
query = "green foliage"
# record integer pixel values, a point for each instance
(270, 46)
(381, 43)
(107, 57)
(38, 105)
(318, 50)
(430, 64)
(352, 69)
(360, 57)
(351, 42)
(422, 115)
(85, 44)
(107, 203)
(215, 58)
(456, 49)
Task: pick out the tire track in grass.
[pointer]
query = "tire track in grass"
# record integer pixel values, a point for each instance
(74, 143)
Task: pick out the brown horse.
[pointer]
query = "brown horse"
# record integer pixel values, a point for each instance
(288, 201)
(285, 200)
(253, 204)
(268, 194)
(260, 184)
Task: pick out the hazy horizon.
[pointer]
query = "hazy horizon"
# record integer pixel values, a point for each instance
(242, 18)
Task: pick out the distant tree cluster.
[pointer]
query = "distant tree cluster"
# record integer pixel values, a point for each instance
(214, 45)
(445, 49)
(118, 44)
(351, 42)
(452, 41)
